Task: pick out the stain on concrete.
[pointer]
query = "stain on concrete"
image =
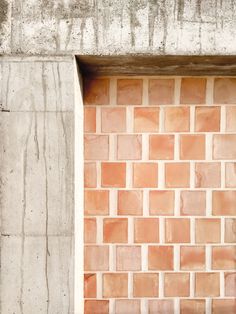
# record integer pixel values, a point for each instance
(152, 16)
(180, 14)
(134, 8)
(3, 12)
(152, 26)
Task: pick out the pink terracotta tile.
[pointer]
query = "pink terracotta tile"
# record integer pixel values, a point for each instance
(224, 257)
(89, 120)
(161, 91)
(230, 174)
(224, 203)
(224, 146)
(113, 174)
(194, 306)
(230, 284)
(115, 285)
(207, 230)
(96, 147)
(96, 307)
(96, 258)
(90, 175)
(230, 119)
(193, 91)
(128, 258)
(90, 230)
(90, 286)
(225, 90)
(192, 258)
(177, 175)
(207, 175)
(146, 230)
(207, 285)
(129, 91)
(161, 306)
(176, 285)
(129, 147)
(161, 147)
(193, 203)
(230, 230)
(145, 175)
(177, 119)
(192, 147)
(146, 119)
(96, 202)
(130, 202)
(220, 306)
(172, 230)
(161, 202)
(160, 257)
(115, 230)
(127, 306)
(113, 120)
(207, 119)
(145, 285)
(96, 91)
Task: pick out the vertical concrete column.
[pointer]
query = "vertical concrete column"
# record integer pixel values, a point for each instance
(37, 185)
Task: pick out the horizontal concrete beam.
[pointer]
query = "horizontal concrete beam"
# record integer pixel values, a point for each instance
(158, 27)
(157, 65)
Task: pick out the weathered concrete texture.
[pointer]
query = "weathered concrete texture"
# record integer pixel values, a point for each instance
(37, 85)
(36, 173)
(37, 187)
(118, 27)
(37, 275)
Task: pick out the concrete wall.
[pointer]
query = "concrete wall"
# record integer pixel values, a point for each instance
(118, 26)
(37, 186)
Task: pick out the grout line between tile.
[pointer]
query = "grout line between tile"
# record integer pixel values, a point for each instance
(145, 203)
(209, 90)
(130, 119)
(145, 100)
(161, 230)
(176, 257)
(161, 175)
(161, 285)
(144, 306)
(208, 203)
(145, 147)
(130, 285)
(131, 230)
(222, 119)
(112, 147)
(113, 94)
(208, 257)
(111, 306)
(223, 174)
(144, 249)
(99, 285)
(177, 91)
(208, 305)
(99, 230)
(98, 120)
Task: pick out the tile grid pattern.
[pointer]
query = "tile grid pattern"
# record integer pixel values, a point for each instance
(160, 195)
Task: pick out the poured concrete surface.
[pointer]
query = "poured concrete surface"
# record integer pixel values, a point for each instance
(158, 27)
(37, 186)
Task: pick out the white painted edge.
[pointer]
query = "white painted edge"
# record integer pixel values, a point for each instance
(78, 194)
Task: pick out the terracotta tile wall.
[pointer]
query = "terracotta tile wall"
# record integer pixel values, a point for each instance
(160, 195)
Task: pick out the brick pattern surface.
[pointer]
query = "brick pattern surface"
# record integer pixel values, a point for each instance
(160, 195)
